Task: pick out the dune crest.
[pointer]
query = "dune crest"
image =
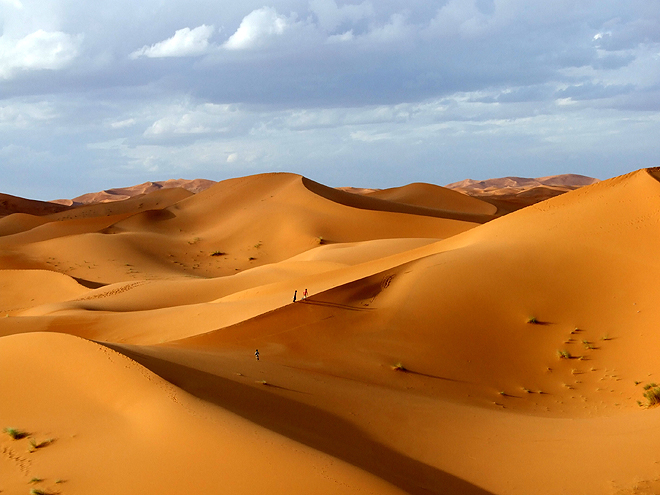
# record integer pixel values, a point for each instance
(410, 340)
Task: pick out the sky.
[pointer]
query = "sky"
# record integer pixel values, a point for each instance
(95, 95)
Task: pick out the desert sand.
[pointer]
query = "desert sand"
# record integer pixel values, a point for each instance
(450, 343)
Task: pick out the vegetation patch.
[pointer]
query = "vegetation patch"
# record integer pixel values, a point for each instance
(34, 445)
(399, 367)
(218, 253)
(564, 354)
(15, 433)
(652, 394)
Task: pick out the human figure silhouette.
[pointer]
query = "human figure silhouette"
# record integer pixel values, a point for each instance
(256, 354)
(295, 294)
(305, 294)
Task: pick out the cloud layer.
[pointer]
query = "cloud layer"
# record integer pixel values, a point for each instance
(37, 51)
(186, 42)
(342, 91)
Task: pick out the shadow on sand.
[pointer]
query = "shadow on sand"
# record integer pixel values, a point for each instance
(308, 425)
(328, 304)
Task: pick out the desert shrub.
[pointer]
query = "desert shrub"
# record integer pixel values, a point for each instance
(34, 445)
(399, 367)
(652, 394)
(15, 433)
(532, 319)
(563, 354)
(218, 253)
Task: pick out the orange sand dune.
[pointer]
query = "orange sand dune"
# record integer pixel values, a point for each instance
(440, 350)
(431, 196)
(512, 193)
(123, 193)
(233, 226)
(13, 204)
(114, 427)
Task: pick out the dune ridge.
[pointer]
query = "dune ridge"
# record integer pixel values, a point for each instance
(444, 345)
(124, 193)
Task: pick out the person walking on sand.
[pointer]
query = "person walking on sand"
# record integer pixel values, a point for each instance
(256, 354)
(295, 294)
(305, 294)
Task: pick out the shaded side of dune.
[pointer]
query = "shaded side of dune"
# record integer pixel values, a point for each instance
(12, 204)
(377, 204)
(274, 412)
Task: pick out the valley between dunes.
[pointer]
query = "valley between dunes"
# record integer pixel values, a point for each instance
(449, 344)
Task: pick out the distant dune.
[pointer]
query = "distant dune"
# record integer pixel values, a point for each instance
(512, 193)
(419, 339)
(122, 193)
(13, 204)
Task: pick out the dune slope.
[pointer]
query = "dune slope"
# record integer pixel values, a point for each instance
(438, 350)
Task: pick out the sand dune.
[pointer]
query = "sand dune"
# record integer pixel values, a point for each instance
(445, 346)
(13, 204)
(123, 193)
(512, 193)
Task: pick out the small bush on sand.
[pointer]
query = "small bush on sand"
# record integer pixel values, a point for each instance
(399, 367)
(532, 320)
(652, 394)
(218, 253)
(34, 445)
(563, 354)
(15, 433)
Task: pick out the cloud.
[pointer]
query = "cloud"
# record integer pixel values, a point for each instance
(24, 115)
(13, 3)
(37, 51)
(186, 42)
(185, 119)
(123, 124)
(256, 28)
(330, 16)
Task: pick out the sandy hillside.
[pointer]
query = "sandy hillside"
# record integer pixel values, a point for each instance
(123, 193)
(443, 348)
(13, 204)
(512, 193)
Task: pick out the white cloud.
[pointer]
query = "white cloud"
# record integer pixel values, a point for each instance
(395, 30)
(331, 16)
(122, 124)
(186, 42)
(39, 50)
(201, 119)
(370, 137)
(13, 3)
(232, 157)
(341, 38)
(459, 18)
(256, 28)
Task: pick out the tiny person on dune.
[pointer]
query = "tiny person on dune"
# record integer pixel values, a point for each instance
(256, 354)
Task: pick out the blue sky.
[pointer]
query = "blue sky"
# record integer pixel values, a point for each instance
(368, 94)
